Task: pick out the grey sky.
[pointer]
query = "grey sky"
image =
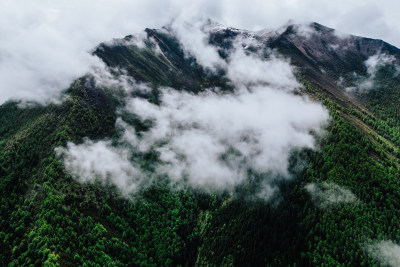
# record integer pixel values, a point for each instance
(46, 44)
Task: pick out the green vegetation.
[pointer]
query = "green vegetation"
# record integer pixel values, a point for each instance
(48, 219)
(296, 230)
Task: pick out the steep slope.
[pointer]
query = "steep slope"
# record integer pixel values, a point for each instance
(325, 60)
(48, 218)
(336, 62)
(161, 62)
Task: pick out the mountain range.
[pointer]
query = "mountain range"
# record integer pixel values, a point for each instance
(210, 146)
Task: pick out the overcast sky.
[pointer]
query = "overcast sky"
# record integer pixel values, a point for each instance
(44, 45)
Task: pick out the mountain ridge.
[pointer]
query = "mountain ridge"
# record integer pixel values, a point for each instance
(308, 65)
(48, 217)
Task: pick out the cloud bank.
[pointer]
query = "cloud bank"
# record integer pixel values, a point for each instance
(46, 45)
(100, 161)
(211, 140)
(373, 64)
(385, 252)
(326, 195)
(193, 34)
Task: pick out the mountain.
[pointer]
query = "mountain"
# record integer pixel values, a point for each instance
(340, 206)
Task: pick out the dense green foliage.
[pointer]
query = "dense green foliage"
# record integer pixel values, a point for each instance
(49, 219)
(296, 230)
(46, 218)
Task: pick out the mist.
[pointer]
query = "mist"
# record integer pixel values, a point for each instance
(386, 252)
(46, 45)
(211, 140)
(373, 64)
(326, 195)
(99, 161)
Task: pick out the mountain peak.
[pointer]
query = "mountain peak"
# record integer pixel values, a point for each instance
(161, 161)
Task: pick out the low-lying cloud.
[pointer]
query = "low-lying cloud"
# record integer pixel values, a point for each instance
(373, 64)
(211, 140)
(102, 162)
(193, 35)
(386, 252)
(326, 195)
(46, 45)
(248, 70)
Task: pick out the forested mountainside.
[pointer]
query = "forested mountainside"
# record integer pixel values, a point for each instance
(342, 207)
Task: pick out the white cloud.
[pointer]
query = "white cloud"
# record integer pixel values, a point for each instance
(261, 126)
(385, 252)
(247, 70)
(305, 30)
(376, 61)
(373, 63)
(213, 138)
(45, 45)
(210, 140)
(193, 34)
(100, 161)
(117, 80)
(325, 194)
